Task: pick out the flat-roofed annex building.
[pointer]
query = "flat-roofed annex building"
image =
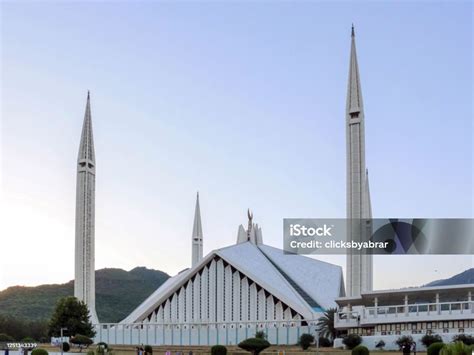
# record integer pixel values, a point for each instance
(386, 315)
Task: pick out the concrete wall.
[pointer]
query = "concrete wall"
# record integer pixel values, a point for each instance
(204, 335)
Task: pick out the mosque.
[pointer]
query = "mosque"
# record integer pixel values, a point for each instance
(245, 285)
(233, 291)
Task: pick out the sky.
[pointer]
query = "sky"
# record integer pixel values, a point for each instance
(243, 101)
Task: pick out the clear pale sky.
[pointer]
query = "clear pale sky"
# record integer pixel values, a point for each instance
(243, 101)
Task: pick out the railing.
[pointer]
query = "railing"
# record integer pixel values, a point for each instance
(404, 312)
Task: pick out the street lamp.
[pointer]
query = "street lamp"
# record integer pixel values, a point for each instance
(61, 331)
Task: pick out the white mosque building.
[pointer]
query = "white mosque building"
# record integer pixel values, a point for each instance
(234, 291)
(229, 294)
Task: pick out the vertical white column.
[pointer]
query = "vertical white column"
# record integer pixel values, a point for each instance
(228, 296)
(376, 305)
(469, 299)
(189, 302)
(205, 294)
(236, 296)
(220, 291)
(174, 308)
(167, 312)
(160, 315)
(279, 311)
(212, 291)
(181, 299)
(245, 299)
(253, 302)
(197, 298)
(270, 308)
(262, 305)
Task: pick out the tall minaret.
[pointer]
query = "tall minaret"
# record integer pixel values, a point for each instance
(359, 267)
(197, 234)
(84, 281)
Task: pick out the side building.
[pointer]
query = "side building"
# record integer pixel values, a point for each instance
(386, 315)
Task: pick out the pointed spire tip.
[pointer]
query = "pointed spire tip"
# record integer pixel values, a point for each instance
(352, 31)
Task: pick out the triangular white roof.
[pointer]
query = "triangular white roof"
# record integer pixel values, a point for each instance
(321, 280)
(298, 281)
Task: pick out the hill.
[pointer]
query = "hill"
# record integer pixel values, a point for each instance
(465, 277)
(118, 292)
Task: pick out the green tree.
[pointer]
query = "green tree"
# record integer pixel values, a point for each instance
(82, 341)
(39, 351)
(325, 325)
(456, 348)
(260, 334)
(218, 350)
(466, 339)
(429, 339)
(352, 340)
(305, 340)
(434, 348)
(72, 314)
(360, 350)
(66, 347)
(254, 345)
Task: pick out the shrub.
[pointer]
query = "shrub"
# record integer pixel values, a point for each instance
(457, 348)
(254, 345)
(434, 348)
(91, 352)
(380, 345)
(82, 341)
(466, 339)
(218, 350)
(148, 349)
(404, 343)
(66, 347)
(102, 348)
(429, 339)
(39, 351)
(6, 337)
(351, 341)
(305, 340)
(260, 335)
(324, 342)
(360, 350)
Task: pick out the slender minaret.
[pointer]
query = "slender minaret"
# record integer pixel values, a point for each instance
(359, 267)
(368, 214)
(197, 234)
(84, 281)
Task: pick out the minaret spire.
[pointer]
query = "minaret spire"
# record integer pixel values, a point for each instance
(197, 242)
(354, 92)
(84, 275)
(359, 267)
(86, 147)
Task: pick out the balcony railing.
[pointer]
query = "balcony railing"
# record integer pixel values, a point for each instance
(404, 313)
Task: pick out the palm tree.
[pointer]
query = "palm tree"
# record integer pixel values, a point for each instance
(325, 325)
